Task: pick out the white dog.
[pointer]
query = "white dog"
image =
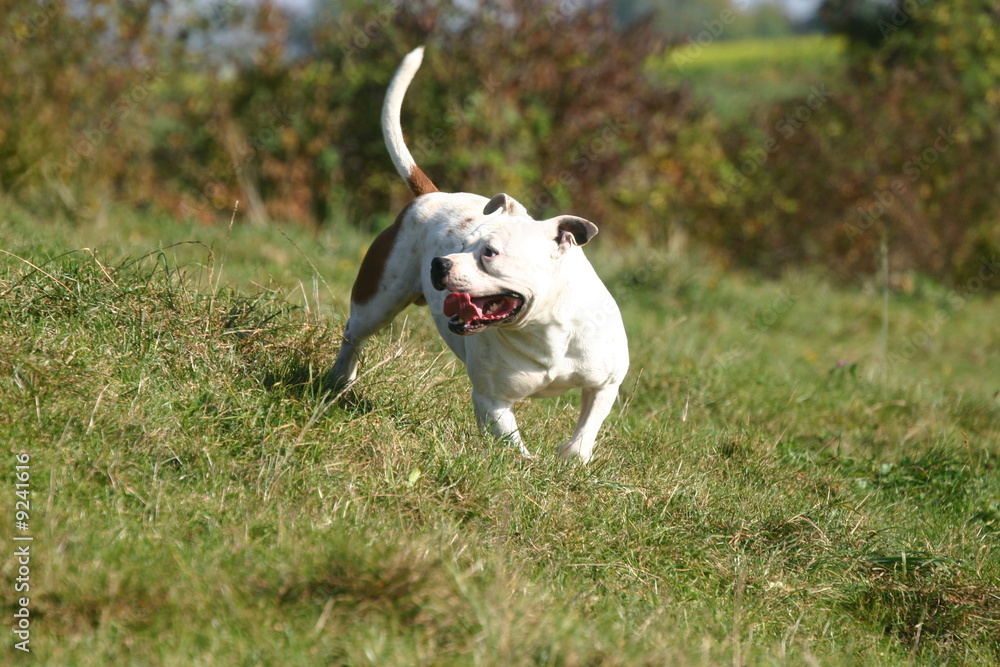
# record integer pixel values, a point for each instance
(513, 297)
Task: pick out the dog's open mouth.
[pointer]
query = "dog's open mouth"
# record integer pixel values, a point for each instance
(471, 314)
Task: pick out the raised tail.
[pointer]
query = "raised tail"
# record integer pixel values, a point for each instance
(392, 130)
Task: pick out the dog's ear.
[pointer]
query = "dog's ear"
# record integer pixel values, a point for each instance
(571, 230)
(504, 201)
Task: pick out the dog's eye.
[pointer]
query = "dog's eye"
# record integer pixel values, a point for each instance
(490, 251)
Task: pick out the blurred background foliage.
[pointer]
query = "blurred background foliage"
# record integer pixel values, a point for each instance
(677, 123)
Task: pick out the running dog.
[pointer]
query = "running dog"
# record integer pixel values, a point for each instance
(514, 298)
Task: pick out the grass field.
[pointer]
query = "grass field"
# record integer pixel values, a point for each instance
(796, 474)
(734, 76)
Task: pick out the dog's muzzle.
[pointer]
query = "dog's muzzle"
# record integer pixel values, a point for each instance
(440, 268)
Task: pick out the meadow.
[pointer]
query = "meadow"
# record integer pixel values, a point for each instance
(795, 474)
(734, 77)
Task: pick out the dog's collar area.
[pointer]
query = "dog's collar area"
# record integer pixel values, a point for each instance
(470, 314)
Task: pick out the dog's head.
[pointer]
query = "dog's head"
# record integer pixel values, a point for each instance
(507, 266)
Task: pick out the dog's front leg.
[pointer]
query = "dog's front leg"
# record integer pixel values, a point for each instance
(595, 406)
(497, 417)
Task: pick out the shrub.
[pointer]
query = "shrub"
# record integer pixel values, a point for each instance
(902, 151)
(549, 103)
(72, 110)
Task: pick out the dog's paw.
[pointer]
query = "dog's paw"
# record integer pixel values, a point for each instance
(335, 383)
(574, 449)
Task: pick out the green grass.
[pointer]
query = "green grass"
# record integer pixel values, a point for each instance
(735, 76)
(778, 486)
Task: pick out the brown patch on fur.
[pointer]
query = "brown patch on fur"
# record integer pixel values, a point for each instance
(420, 300)
(419, 183)
(373, 265)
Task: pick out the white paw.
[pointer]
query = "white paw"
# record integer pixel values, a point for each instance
(573, 449)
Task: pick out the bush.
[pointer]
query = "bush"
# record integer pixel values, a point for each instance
(548, 104)
(904, 151)
(71, 112)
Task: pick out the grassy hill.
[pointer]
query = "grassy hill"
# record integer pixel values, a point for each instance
(735, 76)
(795, 473)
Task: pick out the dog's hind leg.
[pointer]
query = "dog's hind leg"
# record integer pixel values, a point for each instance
(387, 282)
(365, 321)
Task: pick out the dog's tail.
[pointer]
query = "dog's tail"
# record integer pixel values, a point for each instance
(392, 130)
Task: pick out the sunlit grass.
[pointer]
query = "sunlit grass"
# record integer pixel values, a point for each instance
(776, 487)
(735, 76)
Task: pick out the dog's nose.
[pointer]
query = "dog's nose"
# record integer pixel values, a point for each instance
(440, 267)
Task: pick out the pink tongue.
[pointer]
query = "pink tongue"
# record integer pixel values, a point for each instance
(460, 303)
